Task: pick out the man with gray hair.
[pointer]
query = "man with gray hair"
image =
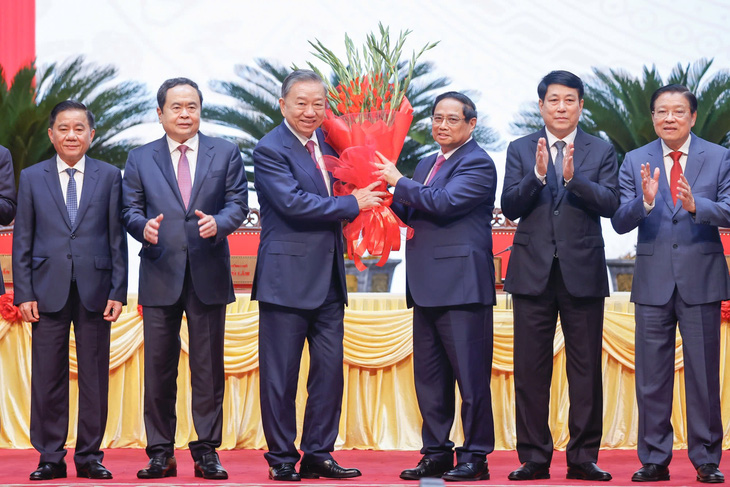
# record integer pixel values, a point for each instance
(300, 282)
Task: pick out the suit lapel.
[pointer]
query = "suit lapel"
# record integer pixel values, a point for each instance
(452, 161)
(202, 166)
(422, 170)
(302, 158)
(54, 188)
(91, 179)
(695, 160)
(163, 160)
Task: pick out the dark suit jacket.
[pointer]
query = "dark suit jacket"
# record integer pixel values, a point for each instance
(46, 245)
(7, 195)
(219, 189)
(449, 260)
(556, 218)
(673, 248)
(301, 225)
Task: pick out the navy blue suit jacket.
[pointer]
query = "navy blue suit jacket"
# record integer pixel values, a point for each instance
(673, 248)
(7, 195)
(46, 245)
(219, 189)
(449, 260)
(556, 218)
(301, 225)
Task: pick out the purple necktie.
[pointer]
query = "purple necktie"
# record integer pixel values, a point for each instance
(439, 161)
(184, 182)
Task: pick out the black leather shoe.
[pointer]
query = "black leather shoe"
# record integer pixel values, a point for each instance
(651, 472)
(427, 467)
(49, 471)
(285, 472)
(531, 471)
(709, 473)
(93, 470)
(587, 471)
(468, 471)
(329, 469)
(209, 467)
(159, 467)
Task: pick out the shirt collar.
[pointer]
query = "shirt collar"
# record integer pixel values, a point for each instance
(451, 152)
(79, 166)
(191, 143)
(301, 139)
(684, 149)
(568, 139)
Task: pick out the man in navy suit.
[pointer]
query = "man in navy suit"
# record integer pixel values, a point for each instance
(8, 202)
(450, 285)
(300, 282)
(69, 266)
(676, 190)
(183, 195)
(559, 181)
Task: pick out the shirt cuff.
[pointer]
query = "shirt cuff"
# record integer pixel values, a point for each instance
(543, 179)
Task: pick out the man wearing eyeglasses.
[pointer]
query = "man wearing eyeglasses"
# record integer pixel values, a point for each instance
(676, 190)
(559, 181)
(450, 285)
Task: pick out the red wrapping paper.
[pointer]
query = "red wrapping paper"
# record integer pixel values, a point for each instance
(356, 137)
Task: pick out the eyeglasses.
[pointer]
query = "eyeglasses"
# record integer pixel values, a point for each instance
(662, 114)
(450, 121)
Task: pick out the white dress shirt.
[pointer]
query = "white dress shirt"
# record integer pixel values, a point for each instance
(192, 154)
(78, 176)
(317, 154)
(551, 139)
(669, 163)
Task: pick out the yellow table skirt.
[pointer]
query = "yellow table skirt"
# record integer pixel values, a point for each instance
(379, 408)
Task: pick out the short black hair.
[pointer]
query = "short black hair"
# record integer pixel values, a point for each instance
(173, 82)
(675, 88)
(300, 75)
(560, 77)
(467, 106)
(70, 105)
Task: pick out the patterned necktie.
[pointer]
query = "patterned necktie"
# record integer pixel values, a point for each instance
(439, 162)
(675, 174)
(72, 204)
(310, 148)
(559, 160)
(184, 182)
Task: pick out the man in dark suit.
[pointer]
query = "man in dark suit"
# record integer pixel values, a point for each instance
(8, 201)
(69, 265)
(558, 181)
(450, 285)
(183, 195)
(300, 282)
(676, 190)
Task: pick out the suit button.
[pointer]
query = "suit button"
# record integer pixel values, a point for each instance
(674, 221)
(68, 256)
(332, 251)
(73, 236)
(187, 218)
(675, 246)
(184, 248)
(556, 212)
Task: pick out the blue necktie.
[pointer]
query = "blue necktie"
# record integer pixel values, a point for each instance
(559, 160)
(71, 200)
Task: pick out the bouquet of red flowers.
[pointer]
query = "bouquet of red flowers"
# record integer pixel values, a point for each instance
(368, 112)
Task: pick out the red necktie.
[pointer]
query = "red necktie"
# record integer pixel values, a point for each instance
(439, 162)
(675, 174)
(310, 148)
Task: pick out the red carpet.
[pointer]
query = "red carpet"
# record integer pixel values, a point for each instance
(248, 467)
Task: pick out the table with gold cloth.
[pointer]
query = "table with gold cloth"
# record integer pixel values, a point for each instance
(379, 408)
